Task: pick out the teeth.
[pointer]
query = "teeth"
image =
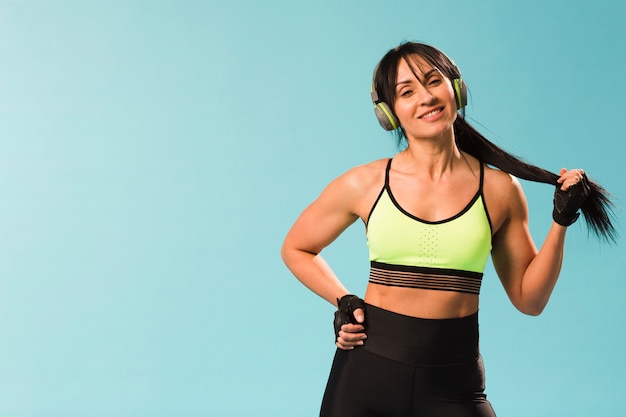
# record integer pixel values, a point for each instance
(430, 113)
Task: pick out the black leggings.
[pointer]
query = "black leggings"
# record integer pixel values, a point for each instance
(409, 367)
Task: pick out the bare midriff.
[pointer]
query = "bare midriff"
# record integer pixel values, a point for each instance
(428, 304)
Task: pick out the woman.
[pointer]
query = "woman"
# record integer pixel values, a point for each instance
(433, 215)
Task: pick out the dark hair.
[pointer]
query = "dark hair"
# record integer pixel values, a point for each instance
(597, 209)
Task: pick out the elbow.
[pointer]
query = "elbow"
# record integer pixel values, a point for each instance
(284, 254)
(531, 303)
(291, 254)
(528, 305)
(532, 312)
(531, 309)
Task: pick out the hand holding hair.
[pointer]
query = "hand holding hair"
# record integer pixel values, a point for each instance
(571, 192)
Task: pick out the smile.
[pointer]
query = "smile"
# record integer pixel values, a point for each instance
(430, 113)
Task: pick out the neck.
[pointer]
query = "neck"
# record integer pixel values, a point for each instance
(431, 156)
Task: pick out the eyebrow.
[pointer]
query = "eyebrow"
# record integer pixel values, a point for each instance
(426, 75)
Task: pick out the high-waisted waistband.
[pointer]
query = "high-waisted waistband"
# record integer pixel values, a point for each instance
(418, 341)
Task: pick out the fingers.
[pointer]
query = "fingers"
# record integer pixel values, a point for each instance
(350, 336)
(569, 178)
(359, 315)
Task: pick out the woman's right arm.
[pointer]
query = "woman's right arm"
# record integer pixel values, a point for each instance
(318, 226)
(344, 200)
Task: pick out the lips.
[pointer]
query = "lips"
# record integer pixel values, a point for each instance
(431, 113)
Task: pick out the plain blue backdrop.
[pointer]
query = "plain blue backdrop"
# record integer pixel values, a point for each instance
(154, 154)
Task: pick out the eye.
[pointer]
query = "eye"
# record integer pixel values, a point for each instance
(434, 81)
(406, 92)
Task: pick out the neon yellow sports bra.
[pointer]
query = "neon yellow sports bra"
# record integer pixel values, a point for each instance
(447, 255)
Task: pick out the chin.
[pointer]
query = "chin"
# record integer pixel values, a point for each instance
(434, 132)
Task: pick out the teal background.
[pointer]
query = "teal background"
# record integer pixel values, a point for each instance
(154, 154)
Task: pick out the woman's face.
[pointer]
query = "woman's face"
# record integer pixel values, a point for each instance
(424, 103)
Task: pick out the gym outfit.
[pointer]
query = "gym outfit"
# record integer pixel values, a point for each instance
(408, 366)
(406, 251)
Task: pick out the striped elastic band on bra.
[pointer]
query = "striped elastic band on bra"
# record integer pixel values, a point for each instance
(425, 278)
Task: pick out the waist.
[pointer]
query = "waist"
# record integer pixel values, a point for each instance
(419, 341)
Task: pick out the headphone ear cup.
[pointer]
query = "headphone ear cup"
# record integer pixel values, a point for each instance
(385, 116)
(460, 93)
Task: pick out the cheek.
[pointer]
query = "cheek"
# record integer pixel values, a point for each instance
(401, 109)
(450, 94)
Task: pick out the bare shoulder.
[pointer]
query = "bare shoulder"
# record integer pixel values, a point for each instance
(500, 180)
(359, 186)
(363, 176)
(504, 196)
(497, 183)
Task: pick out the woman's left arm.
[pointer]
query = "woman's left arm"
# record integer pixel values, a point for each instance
(527, 274)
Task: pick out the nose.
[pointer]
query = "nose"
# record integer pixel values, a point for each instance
(424, 95)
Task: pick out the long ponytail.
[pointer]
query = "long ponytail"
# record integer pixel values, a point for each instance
(598, 209)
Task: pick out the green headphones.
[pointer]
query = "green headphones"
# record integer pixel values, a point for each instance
(389, 121)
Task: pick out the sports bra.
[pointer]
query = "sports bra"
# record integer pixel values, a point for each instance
(447, 255)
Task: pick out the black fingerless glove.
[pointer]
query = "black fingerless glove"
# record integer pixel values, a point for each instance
(568, 202)
(345, 311)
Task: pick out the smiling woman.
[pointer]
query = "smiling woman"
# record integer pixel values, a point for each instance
(434, 213)
(425, 102)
